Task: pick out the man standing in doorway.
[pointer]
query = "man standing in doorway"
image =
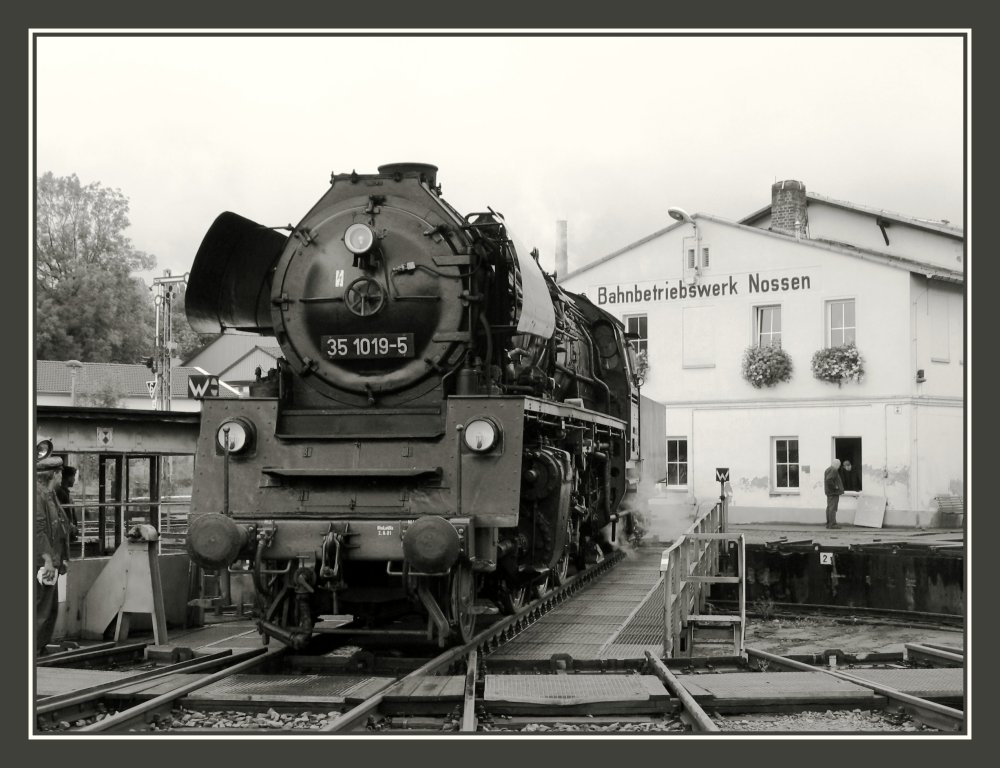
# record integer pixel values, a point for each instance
(833, 486)
(849, 477)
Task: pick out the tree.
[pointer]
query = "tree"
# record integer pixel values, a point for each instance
(88, 306)
(94, 314)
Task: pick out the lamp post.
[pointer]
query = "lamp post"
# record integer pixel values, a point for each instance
(74, 370)
(679, 214)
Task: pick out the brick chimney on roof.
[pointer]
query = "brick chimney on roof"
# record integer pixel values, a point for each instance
(789, 213)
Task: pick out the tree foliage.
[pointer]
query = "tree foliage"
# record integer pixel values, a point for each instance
(95, 315)
(88, 306)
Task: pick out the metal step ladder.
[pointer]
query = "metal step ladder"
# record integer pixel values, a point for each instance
(705, 572)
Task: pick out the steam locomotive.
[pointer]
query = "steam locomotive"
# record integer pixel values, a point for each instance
(446, 426)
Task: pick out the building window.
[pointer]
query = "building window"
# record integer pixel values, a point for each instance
(767, 326)
(848, 450)
(840, 322)
(635, 331)
(692, 262)
(677, 462)
(704, 256)
(786, 463)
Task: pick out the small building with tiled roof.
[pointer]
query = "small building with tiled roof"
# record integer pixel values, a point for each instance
(807, 275)
(118, 385)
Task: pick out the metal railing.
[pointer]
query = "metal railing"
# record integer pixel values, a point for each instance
(688, 568)
(102, 525)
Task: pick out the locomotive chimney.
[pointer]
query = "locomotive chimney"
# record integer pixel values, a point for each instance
(562, 254)
(426, 171)
(788, 208)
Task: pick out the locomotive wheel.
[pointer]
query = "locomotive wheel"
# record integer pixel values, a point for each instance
(462, 602)
(543, 587)
(513, 600)
(561, 571)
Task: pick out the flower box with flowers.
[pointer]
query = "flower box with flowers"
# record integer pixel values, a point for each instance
(837, 364)
(766, 366)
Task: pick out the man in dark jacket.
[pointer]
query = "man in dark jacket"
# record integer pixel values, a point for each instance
(51, 549)
(66, 501)
(833, 486)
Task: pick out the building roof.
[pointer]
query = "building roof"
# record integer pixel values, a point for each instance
(229, 347)
(941, 227)
(54, 377)
(911, 265)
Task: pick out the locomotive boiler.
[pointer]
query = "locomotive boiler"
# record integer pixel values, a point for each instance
(446, 426)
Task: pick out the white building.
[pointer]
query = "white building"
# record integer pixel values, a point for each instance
(805, 273)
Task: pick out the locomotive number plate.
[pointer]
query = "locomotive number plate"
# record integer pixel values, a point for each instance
(367, 346)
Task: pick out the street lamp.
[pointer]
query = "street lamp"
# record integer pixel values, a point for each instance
(679, 214)
(74, 370)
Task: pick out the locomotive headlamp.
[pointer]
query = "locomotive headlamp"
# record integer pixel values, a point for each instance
(481, 435)
(42, 449)
(240, 436)
(359, 238)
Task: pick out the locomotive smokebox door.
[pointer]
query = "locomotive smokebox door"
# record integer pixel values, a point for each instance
(368, 306)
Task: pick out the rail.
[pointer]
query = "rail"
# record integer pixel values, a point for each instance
(688, 568)
(924, 711)
(478, 647)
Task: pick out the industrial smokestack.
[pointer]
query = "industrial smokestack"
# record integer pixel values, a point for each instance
(562, 254)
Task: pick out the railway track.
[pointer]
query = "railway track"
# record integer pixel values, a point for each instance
(89, 705)
(447, 693)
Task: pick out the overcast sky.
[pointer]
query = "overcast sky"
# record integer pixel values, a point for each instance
(606, 133)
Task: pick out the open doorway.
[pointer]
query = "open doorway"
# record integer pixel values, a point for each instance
(848, 450)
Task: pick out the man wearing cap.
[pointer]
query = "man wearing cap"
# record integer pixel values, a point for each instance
(51, 548)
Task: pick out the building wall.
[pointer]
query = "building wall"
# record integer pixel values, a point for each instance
(897, 465)
(141, 403)
(696, 344)
(910, 432)
(939, 338)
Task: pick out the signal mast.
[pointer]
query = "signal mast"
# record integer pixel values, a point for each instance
(166, 290)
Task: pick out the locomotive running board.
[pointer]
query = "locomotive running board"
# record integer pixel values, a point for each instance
(351, 472)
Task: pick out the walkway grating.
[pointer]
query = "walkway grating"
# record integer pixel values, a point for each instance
(585, 626)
